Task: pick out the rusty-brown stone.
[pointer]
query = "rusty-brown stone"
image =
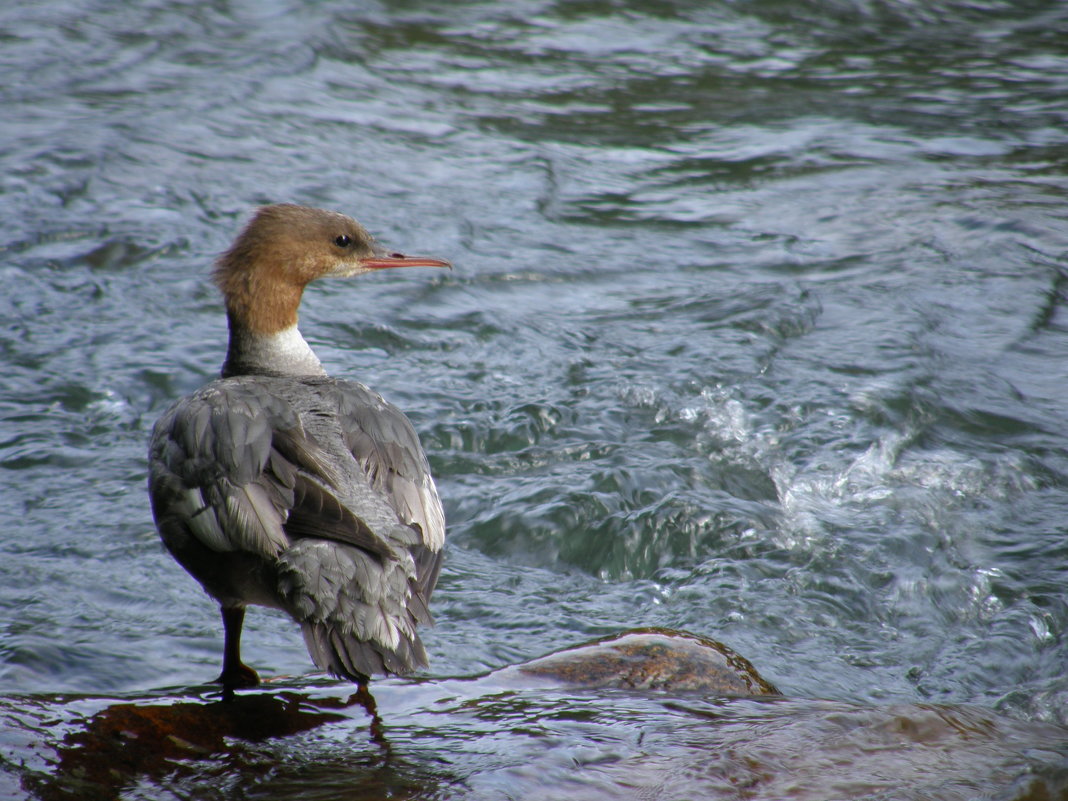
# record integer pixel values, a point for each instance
(653, 659)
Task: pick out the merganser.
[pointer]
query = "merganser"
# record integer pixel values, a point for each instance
(280, 486)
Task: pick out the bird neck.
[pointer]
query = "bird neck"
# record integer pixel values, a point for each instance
(283, 352)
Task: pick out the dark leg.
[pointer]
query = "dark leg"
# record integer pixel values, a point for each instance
(234, 673)
(363, 697)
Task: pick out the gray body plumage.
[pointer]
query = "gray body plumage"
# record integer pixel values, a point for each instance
(307, 494)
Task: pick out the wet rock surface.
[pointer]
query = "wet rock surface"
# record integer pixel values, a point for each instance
(653, 659)
(649, 714)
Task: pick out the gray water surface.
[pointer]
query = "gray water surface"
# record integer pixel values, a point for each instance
(757, 327)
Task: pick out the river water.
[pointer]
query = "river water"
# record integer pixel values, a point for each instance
(757, 329)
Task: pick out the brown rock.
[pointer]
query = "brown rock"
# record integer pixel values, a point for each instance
(652, 659)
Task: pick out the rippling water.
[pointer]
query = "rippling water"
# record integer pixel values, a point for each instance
(757, 327)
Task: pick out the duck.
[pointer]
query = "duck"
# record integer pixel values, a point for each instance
(280, 486)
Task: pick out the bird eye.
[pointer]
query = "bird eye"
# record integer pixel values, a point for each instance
(343, 241)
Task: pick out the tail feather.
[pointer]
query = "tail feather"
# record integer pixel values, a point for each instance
(358, 612)
(347, 656)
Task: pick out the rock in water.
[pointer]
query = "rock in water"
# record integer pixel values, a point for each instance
(652, 659)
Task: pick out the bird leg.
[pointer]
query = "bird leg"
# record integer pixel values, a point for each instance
(235, 673)
(363, 697)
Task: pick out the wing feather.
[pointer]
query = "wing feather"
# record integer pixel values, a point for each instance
(342, 506)
(207, 476)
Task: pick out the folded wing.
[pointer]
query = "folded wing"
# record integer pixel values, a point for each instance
(327, 488)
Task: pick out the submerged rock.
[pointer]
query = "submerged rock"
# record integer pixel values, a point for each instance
(652, 659)
(648, 714)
